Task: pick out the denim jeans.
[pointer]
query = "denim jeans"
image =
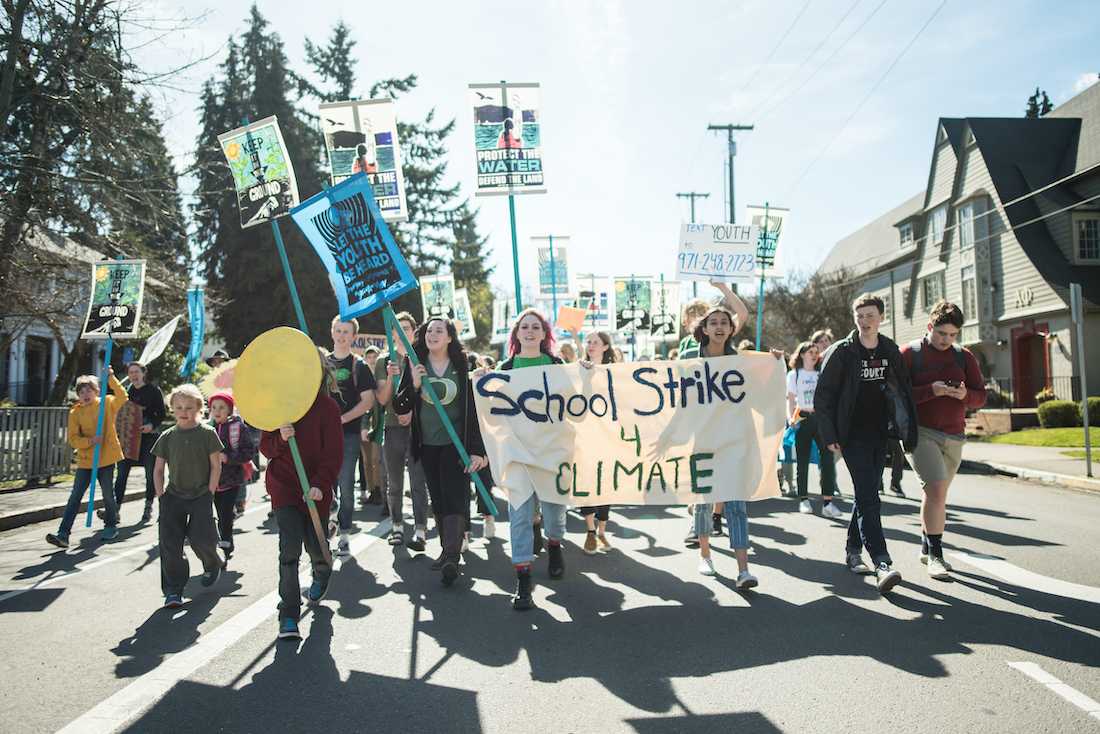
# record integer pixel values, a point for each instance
(347, 480)
(396, 455)
(866, 460)
(520, 519)
(81, 482)
(737, 520)
(295, 532)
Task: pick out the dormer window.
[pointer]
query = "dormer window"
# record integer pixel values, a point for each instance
(937, 221)
(905, 231)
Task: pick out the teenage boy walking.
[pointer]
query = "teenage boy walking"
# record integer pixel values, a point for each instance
(864, 399)
(947, 382)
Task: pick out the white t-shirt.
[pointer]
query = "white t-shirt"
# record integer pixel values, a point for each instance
(802, 384)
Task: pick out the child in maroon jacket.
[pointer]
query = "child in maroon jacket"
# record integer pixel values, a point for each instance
(320, 439)
(946, 383)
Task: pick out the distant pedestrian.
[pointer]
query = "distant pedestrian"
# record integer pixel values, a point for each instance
(597, 351)
(801, 385)
(151, 400)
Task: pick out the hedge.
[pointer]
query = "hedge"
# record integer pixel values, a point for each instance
(1059, 414)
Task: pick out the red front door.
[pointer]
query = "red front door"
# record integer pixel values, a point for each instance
(1030, 362)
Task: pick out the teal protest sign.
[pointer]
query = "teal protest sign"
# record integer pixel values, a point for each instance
(345, 228)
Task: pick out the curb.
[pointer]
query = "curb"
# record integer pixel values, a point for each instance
(1033, 475)
(18, 519)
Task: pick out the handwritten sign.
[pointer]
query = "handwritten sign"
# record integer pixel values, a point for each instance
(648, 433)
(724, 252)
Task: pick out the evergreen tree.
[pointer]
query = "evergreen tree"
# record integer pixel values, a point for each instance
(242, 266)
(1038, 105)
(469, 263)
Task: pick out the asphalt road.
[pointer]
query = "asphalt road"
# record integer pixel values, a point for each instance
(634, 640)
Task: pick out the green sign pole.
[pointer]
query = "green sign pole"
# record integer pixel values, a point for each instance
(390, 320)
(762, 250)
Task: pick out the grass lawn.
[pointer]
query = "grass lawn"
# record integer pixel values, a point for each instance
(1073, 438)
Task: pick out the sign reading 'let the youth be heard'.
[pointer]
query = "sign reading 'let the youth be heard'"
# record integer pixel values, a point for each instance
(345, 228)
(643, 433)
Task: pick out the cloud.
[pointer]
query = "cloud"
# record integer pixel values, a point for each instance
(1084, 81)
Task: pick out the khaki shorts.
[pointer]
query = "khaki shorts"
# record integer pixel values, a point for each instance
(937, 456)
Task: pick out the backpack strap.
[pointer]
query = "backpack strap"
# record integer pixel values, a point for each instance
(917, 348)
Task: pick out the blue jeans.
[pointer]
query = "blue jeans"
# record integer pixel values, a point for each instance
(520, 519)
(737, 521)
(865, 461)
(347, 480)
(81, 483)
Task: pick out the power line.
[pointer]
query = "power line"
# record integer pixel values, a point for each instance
(806, 60)
(866, 97)
(822, 65)
(775, 48)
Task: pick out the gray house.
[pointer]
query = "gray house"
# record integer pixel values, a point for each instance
(1009, 217)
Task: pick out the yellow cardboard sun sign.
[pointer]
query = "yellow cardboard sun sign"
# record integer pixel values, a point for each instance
(277, 378)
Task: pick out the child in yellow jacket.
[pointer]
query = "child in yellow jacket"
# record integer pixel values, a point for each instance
(83, 418)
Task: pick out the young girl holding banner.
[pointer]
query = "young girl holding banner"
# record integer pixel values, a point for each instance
(443, 361)
(531, 345)
(714, 333)
(597, 350)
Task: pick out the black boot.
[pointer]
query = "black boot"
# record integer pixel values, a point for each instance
(536, 527)
(556, 565)
(451, 535)
(147, 515)
(522, 599)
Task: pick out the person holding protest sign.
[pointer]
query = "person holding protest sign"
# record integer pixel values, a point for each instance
(597, 350)
(83, 420)
(801, 384)
(714, 335)
(151, 400)
(236, 459)
(320, 439)
(531, 344)
(863, 399)
(355, 397)
(947, 382)
(192, 452)
(443, 361)
(397, 445)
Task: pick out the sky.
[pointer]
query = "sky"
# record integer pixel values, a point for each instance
(844, 96)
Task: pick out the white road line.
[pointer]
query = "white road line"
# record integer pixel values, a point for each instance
(96, 563)
(1074, 696)
(116, 710)
(1029, 579)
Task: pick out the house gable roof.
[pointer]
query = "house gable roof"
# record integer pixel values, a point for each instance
(875, 244)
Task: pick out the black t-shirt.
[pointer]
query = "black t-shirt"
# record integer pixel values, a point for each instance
(351, 387)
(869, 418)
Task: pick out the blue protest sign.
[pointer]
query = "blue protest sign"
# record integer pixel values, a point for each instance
(345, 227)
(196, 311)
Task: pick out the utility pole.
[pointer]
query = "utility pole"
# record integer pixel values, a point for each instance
(732, 151)
(693, 195)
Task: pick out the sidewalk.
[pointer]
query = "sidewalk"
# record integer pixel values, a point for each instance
(19, 507)
(1039, 463)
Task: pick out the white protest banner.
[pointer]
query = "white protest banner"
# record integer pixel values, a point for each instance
(158, 342)
(649, 433)
(724, 252)
(594, 295)
(503, 311)
(775, 219)
(437, 295)
(361, 137)
(507, 139)
(633, 303)
(665, 322)
(464, 318)
(262, 173)
(114, 309)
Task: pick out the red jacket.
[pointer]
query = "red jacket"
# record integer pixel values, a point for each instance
(320, 438)
(945, 414)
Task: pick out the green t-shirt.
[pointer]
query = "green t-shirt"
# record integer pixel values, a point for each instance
(688, 343)
(380, 377)
(539, 361)
(187, 453)
(450, 389)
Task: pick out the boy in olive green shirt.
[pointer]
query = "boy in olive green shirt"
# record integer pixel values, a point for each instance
(192, 452)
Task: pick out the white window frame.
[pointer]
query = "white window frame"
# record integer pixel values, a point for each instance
(1079, 219)
(964, 221)
(926, 301)
(938, 214)
(905, 233)
(969, 285)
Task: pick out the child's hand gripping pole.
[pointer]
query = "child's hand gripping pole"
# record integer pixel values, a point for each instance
(390, 320)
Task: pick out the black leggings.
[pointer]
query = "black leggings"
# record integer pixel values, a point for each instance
(602, 512)
(448, 484)
(224, 504)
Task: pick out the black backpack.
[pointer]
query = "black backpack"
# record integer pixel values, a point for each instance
(917, 347)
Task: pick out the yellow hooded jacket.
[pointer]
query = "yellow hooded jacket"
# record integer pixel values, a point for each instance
(82, 424)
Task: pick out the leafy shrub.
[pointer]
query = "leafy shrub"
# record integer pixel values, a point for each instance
(1094, 411)
(1059, 414)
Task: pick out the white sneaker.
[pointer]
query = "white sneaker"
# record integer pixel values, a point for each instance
(938, 569)
(706, 567)
(832, 512)
(746, 580)
(344, 548)
(805, 507)
(490, 528)
(223, 544)
(924, 560)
